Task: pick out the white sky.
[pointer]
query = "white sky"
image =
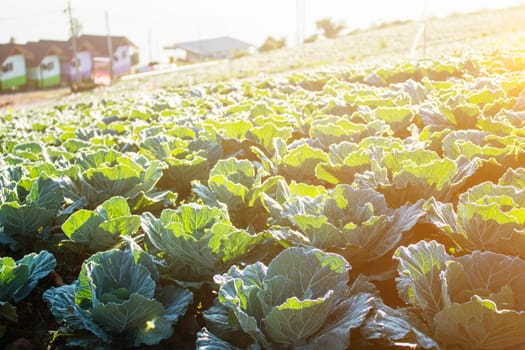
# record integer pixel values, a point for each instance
(177, 21)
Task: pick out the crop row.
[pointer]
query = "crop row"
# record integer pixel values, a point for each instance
(363, 206)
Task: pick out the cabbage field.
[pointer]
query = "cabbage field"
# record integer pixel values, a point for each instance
(353, 207)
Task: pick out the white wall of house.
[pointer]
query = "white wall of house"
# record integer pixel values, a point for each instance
(85, 65)
(13, 66)
(122, 59)
(49, 67)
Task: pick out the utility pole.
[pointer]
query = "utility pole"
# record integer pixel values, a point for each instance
(149, 46)
(74, 42)
(300, 11)
(425, 29)
(110, 48)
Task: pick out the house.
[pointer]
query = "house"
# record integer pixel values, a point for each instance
(44, 63)
(215, 48)
(13, 73)
(84, 59)
(124, 53)
(66, 60)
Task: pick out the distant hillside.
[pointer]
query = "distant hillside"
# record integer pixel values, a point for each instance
(456, 34)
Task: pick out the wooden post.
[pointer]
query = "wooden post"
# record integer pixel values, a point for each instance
(110, 49)
(74, 42)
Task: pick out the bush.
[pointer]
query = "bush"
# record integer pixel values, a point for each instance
(271, 44)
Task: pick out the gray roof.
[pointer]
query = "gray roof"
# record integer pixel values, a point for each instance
(209, 46)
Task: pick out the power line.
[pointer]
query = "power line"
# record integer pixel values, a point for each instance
(8, 18)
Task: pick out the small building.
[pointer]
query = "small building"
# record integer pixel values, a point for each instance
(44, 64)
(124, 55)
(213, 49)
(67, 68)
(13, 73)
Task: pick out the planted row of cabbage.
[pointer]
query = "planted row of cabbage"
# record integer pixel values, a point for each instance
(269, 211)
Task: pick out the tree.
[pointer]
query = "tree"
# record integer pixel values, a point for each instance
(312, 38)
(12, 40)
(272, 44)
(330, 28)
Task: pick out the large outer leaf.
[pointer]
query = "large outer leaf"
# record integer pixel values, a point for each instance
(356, 223)
(115, 181)
(420, 281)
(233, 194)
(479, 324)
(513, 177)
(135, 315)
(197, 241)
(398, 325)
(268, 132)
(39, 265)
(196, 218)
(93, 160)
(208, 341)
(114, 208)
(489, 217)
(222, 321)
(295, 320)
(181, 172)
(443, 216)
(61, 303)
(399, 118)
(152, 201)
(245, 305)
(237, 171)
(301, 300)
(175, 300)
(116, 300)
(486, 274)
(46, 193)
(100, 229)
(299, 164)
(148, 177)
(83, 226)
(348, 314)
(12, 277)
(342, 167)
(106, 272)
(307, 274)
(26, 220)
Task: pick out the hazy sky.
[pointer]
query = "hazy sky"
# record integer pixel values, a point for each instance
(176, 21)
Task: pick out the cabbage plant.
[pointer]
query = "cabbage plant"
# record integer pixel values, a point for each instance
(17, 280)
(300, 300)
(356, 223)
(117, 302)
(475, 301)
(102, 228)
(488, 217)
(198, 241)
(27, 210)
(99, 175)
(239, 184)
(412, 174)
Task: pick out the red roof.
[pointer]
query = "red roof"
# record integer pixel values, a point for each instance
(41, 49)
(98, 44)
(7, 50)
(36, 51)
